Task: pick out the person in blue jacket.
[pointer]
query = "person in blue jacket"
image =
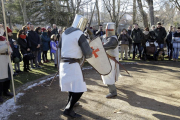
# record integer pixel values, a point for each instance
(45, 44)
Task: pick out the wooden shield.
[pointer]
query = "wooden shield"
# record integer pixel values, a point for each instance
(99, 60)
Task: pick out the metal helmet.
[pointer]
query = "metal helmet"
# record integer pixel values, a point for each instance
(110, 29)
(80, 22)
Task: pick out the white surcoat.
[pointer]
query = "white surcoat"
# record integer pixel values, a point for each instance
(112, 77)
(71, 77)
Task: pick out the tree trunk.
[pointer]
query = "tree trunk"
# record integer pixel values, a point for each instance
(97, 7)
(134, 11)
(23, 8)
(143, 14)
(151, 11)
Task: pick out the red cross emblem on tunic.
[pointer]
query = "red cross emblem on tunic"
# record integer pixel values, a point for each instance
(95, 52)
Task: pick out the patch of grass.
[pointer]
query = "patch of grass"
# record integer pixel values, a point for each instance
(24, 77)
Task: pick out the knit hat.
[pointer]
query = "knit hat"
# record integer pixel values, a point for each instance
(43, 29)
(48, 27)
(9, 30)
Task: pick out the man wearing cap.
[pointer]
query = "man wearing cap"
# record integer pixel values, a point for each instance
(5, 64)
(160, 33)
(73, 46)
(111, 47)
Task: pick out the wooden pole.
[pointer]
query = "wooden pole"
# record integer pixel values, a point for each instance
(4, 16)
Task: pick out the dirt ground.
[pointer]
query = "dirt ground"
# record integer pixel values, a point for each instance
(151, 92)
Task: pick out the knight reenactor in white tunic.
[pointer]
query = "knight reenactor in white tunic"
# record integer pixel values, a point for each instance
(111, 47)
(73, 46)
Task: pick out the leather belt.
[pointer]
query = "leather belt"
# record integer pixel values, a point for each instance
(3, 53)
(70, 60)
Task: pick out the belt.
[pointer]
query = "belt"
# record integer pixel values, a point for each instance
(70, 60)
(3, 53)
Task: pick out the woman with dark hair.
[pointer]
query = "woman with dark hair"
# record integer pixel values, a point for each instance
(124, 42)
(24, 28)
(45, 44)
(39, 32)
(146, 37)
(25, 49)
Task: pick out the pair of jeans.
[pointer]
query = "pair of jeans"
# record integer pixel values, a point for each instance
(134, 49)
(170, 50)
(130, 47)
(35, 53)
(44, 56)
(124, 48)
(26, 63)
(55, 58)
(39, 56)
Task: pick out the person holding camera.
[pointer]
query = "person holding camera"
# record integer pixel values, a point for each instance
(25, 49)
(100, 32)
(124, 42)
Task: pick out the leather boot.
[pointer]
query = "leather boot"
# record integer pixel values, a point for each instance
(71, 113)
(112, 91)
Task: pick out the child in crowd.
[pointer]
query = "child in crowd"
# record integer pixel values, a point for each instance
(53, 45)
(16, 57)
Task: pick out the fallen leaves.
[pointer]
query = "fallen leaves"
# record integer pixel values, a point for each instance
(38, 113)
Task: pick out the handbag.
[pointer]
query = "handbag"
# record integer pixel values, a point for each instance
(30, 56)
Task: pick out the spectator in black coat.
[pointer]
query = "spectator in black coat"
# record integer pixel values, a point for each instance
(55, 30)
(49, 32)
(130, 40)
(136, 37)
(34, 41)
(168, 42)
(25, 49)
(160, 33)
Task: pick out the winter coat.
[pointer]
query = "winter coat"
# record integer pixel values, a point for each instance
(53, 46)
(124, 39)
(24, 45)
(152, 36)
(146, 37)
(34, 40)
(54, 31)
(136, 36)
(169, 37)
(129, 33)
(160, 34)
(100, 33)
(16, 53)
(45, 41)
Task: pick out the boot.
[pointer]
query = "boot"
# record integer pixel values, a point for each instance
(71, 113)
(55, 65)
(1, 100)
(112, 91)
(40, 63)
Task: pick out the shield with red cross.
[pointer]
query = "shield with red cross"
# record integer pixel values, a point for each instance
(99, 60)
